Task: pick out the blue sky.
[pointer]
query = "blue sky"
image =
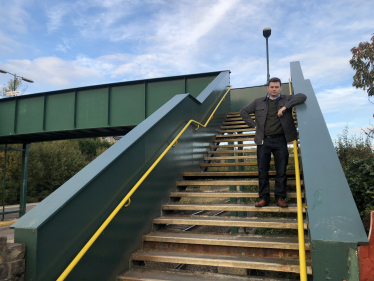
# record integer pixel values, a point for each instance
(64, 44)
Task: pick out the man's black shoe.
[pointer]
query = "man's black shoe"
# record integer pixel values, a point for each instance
(261, 203)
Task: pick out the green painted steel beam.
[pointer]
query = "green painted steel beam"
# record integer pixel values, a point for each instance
(101, 110)
(240, 97)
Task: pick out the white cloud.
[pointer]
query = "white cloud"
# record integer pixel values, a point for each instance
(341, 99)
(53, 73)
(55, 14)
(14, 16)
(65, 46)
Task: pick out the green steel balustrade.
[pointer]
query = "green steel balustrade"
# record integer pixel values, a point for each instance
(335, 225)
(57, 228)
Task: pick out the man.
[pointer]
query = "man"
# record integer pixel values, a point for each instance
(274, 129)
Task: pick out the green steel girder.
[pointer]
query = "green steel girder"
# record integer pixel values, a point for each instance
(240, 97)
(93, 111)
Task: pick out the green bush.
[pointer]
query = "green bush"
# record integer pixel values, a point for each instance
(360, 177)
(350, 148)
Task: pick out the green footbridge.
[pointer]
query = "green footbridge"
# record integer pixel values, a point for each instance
(150, 114)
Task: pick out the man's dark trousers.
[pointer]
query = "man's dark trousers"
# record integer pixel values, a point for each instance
(277, 146)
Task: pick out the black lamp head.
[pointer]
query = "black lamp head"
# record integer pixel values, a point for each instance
(267, 32)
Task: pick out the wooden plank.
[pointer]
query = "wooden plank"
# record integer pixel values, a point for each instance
(237, 130)
(255, 241)
(228, 182)
(233, 140)
(236, 135)
(232, 194)
(230, 221)
(235, 127)
(232, 174)
(234, 119)
(234, 157)
(233, 123)
(279, 264)
(254, 150)
(236, 164)
(138, 274)
(241, 207)
(233, 145)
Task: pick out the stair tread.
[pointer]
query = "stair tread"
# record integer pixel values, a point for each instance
(235, 127)
(234, 145)
(157, 275)
(234, 122)
(235, 135)
(237, 164)
(231, 174)
(229, 221)
(233, 140)
(236, 130)
(237, 207)
(219, 157)
(227, 182)
(229, 194)
(259, 241)
(222, 261)
(252, 150)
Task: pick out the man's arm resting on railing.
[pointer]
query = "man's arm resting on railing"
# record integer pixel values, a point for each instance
(293, 100)
(245, 114)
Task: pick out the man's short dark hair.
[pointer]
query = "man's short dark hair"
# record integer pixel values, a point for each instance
(275, 79)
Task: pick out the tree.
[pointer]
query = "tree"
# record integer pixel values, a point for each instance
(10, 86)
(363, 63)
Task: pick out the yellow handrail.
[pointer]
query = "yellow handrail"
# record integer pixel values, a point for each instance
(127, 197)
(300, 219)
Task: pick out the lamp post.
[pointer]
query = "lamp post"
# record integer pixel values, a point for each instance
(15, 78)
(267, 32)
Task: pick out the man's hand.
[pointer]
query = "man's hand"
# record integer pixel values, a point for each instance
(281, 111)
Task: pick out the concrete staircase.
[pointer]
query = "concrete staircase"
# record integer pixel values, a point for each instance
(202, 233)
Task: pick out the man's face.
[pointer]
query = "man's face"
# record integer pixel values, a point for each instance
(274, 89)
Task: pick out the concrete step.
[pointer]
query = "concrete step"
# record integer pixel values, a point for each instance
(156, 275)
(237, 207)
(250, 241)
(280, 265)
(230, 174)
(281, 223)
(231, 194)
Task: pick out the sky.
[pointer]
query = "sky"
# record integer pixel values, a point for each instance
(64, 44)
